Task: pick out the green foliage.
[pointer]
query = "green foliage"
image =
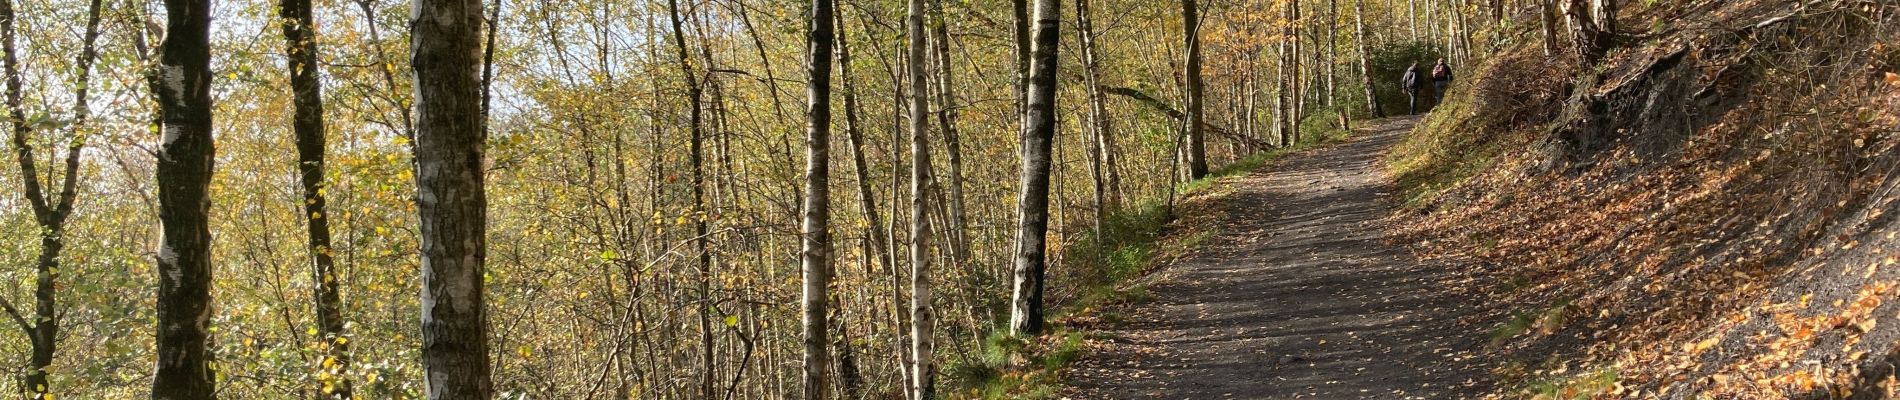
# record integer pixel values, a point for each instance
(1543, 320)
(1321, 128)
(1124, 250)
(1011, 367)
(1389, 61)
(1579, 387)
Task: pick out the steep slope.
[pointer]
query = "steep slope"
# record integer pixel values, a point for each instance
(1709, 211)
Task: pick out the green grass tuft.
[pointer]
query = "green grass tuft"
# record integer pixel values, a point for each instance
(1579, 387)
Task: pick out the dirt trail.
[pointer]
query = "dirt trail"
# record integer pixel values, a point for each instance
(1298, 296)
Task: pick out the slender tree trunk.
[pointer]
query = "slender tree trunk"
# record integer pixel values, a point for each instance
(952, 143)
(1038, 135)
(816, 252)
(1101, 146)
(1411, 12)
(307, 101)
(50, 214)
(1196, 118)
(867, 201)
(923, 322)
(1365, 59)
(1461, 12)
(1331, 63)
(1251, 90)
(185, 159)
(1020, 32)
(1299, 84)
(1282, 102)
(1547, 14)
(695, 95)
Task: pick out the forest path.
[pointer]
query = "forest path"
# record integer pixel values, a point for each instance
(1298, 296)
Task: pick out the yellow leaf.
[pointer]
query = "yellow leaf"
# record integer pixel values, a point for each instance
(1705, 344)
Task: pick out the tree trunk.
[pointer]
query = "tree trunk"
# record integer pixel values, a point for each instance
(1411, 12)
(816, 252)
(1196, 140)
(1365, 59)
(183, 90)
(1332, 56)
(923, 323)
(1020, 33)
(952, 143)
(50, 214)
(695, 95)
(1038, 136)
(1299, 83)
(1282, 105)
(1102, 148)
(1547, 13)
(1250, 110)
(1592, 23)
(1605, 13)
(451, 199)
(300, 46)
(867, 201)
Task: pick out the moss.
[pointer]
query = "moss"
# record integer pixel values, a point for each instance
(1579, 387)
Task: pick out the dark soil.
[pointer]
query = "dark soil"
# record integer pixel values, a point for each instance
(1299, 295)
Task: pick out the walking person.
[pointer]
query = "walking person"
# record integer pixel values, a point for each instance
(1411, 84)
(1441, 78)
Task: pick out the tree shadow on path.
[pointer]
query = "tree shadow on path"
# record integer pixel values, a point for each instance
(1299, 296)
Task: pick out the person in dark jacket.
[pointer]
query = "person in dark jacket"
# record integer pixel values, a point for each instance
(1441, 78)
(1411, 84)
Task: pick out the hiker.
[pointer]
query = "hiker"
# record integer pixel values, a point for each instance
(1411, 84)
(1441, 77)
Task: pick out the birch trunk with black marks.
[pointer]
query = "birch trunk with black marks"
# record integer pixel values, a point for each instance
(1365, 59)
(923, 322)
(451, 198)
(1101, 147)
(1020, 32)
(1592, 25)
(816, 251)
(182, 86)
(1038, 136)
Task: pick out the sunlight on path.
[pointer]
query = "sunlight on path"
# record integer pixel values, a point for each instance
(1298, 297)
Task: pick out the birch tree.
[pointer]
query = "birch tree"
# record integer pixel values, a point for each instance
(1365, 60)
(451, 196)
(1038, 135)
(923, 322)
(182, 85)
(816, 257)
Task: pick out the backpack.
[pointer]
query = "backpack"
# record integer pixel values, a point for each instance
(1440, 73)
